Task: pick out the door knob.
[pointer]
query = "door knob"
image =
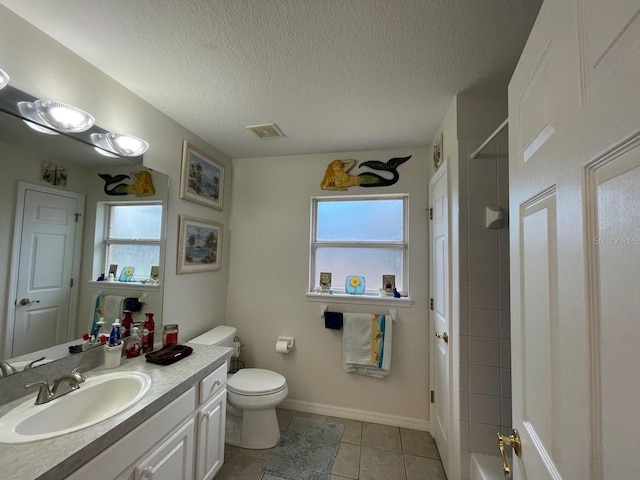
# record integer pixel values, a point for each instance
(444, 336)
(26, 301)
(512, 441)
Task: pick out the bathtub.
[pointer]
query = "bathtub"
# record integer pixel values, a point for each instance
(486, 467)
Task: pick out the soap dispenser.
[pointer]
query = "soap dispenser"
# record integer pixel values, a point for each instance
(134, 344)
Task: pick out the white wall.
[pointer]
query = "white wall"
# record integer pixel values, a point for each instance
(270, 235)
(44, 68)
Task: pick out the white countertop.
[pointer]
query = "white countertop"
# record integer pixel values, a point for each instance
(57, 457)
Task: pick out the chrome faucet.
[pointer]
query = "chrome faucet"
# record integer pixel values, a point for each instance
(61, 386)
(7, 369)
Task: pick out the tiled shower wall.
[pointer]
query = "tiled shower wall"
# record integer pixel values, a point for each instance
(485, 354)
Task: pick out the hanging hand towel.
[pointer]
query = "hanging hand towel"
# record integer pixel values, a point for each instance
(111, 307)
(366, 344)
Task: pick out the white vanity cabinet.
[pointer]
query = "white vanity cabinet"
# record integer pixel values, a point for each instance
(172, 459)
(211, 424)
(191, 440)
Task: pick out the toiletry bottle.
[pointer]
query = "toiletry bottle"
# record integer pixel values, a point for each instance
(134, 344)
(127, 321)
(147, 333)
(114, 336)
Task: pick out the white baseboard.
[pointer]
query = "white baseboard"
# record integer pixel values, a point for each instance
(353, 414)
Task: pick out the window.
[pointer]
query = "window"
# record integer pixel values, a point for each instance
(132, 237)
(359, 235)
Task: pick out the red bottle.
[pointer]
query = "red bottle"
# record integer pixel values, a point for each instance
(127, 321)
(147, 333)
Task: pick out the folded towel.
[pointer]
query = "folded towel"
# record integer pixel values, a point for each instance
(110, 307)
(333, 320)
(169, 354)
(366, 344)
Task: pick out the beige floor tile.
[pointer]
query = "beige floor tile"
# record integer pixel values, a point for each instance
(284, 417)
(240, 467)
(312, 416)
(248, 452)
(418, 443)
(268, 476)
(352, 429)
(378, 464)
(422, 468)
(381, 436)
(347, 461)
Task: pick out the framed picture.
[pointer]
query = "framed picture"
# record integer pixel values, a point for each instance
(325, 280)
(388, 283)
(437, 151)
(199, 245)
(202, 178)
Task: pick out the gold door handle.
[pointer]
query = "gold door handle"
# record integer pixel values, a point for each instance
(26, 301)
(512, 441)
(444, 337)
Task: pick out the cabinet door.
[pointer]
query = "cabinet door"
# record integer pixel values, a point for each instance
(172, 459)
(211, 424)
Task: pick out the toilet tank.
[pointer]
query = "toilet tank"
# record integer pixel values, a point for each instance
(221, 336)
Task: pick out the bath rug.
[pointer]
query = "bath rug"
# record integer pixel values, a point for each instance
(306, 451)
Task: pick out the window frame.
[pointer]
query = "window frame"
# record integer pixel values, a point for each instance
(314, 294)
(107, 241)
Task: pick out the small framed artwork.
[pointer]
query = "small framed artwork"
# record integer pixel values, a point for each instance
(113, 268)
(202, 178)
(388, 283)
(199, 245)
(155, 272)
(325, 280)
(437, 151)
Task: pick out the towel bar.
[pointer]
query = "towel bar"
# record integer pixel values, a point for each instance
(393, 312)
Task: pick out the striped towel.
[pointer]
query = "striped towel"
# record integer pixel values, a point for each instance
(366, 344)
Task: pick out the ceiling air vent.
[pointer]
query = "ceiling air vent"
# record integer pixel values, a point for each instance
(266, 131)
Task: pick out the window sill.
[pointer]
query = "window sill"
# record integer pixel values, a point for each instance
(127, 285)
(358, 299)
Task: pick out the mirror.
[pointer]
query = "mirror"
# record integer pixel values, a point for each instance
(65, 166)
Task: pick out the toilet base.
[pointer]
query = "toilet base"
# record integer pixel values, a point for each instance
(255, 429)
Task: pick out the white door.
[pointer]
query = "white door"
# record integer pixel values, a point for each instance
(46, 238)
(440, 380)
(574, 135)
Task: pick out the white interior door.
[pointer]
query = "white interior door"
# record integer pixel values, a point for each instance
(574, 137)
(439, 411)
(46, 239)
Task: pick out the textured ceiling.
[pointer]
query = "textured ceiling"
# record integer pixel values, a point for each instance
(334, 75)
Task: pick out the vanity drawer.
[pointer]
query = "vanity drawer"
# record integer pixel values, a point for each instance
(213, 382)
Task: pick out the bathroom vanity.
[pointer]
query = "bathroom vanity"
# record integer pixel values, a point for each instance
(175, 431)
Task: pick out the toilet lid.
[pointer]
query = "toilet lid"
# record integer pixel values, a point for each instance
(255, 381)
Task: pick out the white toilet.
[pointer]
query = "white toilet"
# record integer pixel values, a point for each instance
(252, 397)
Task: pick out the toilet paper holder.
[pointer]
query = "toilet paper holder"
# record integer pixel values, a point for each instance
(290, 342)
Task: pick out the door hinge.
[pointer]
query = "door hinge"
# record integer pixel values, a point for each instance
(433, 396)
(77, 215)
(431, 303)
(431, 214)
(71, 283)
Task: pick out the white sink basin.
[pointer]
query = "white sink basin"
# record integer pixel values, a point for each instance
(98, 399)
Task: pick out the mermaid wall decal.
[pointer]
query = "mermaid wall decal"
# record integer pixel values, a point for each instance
(142, 185)
(337, 176)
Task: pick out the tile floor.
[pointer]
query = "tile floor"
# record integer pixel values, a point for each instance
(368, 451)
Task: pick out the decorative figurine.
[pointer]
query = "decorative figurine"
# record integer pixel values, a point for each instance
(337, 176)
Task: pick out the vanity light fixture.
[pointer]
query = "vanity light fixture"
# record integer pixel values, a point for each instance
(105, 153)
(125, 145)
(63, 117)
(28, 111)
(4, 79)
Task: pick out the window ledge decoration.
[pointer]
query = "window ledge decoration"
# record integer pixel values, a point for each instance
(366, 299)
(337, 176)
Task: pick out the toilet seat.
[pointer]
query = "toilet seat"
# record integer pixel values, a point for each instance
(256, 382)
